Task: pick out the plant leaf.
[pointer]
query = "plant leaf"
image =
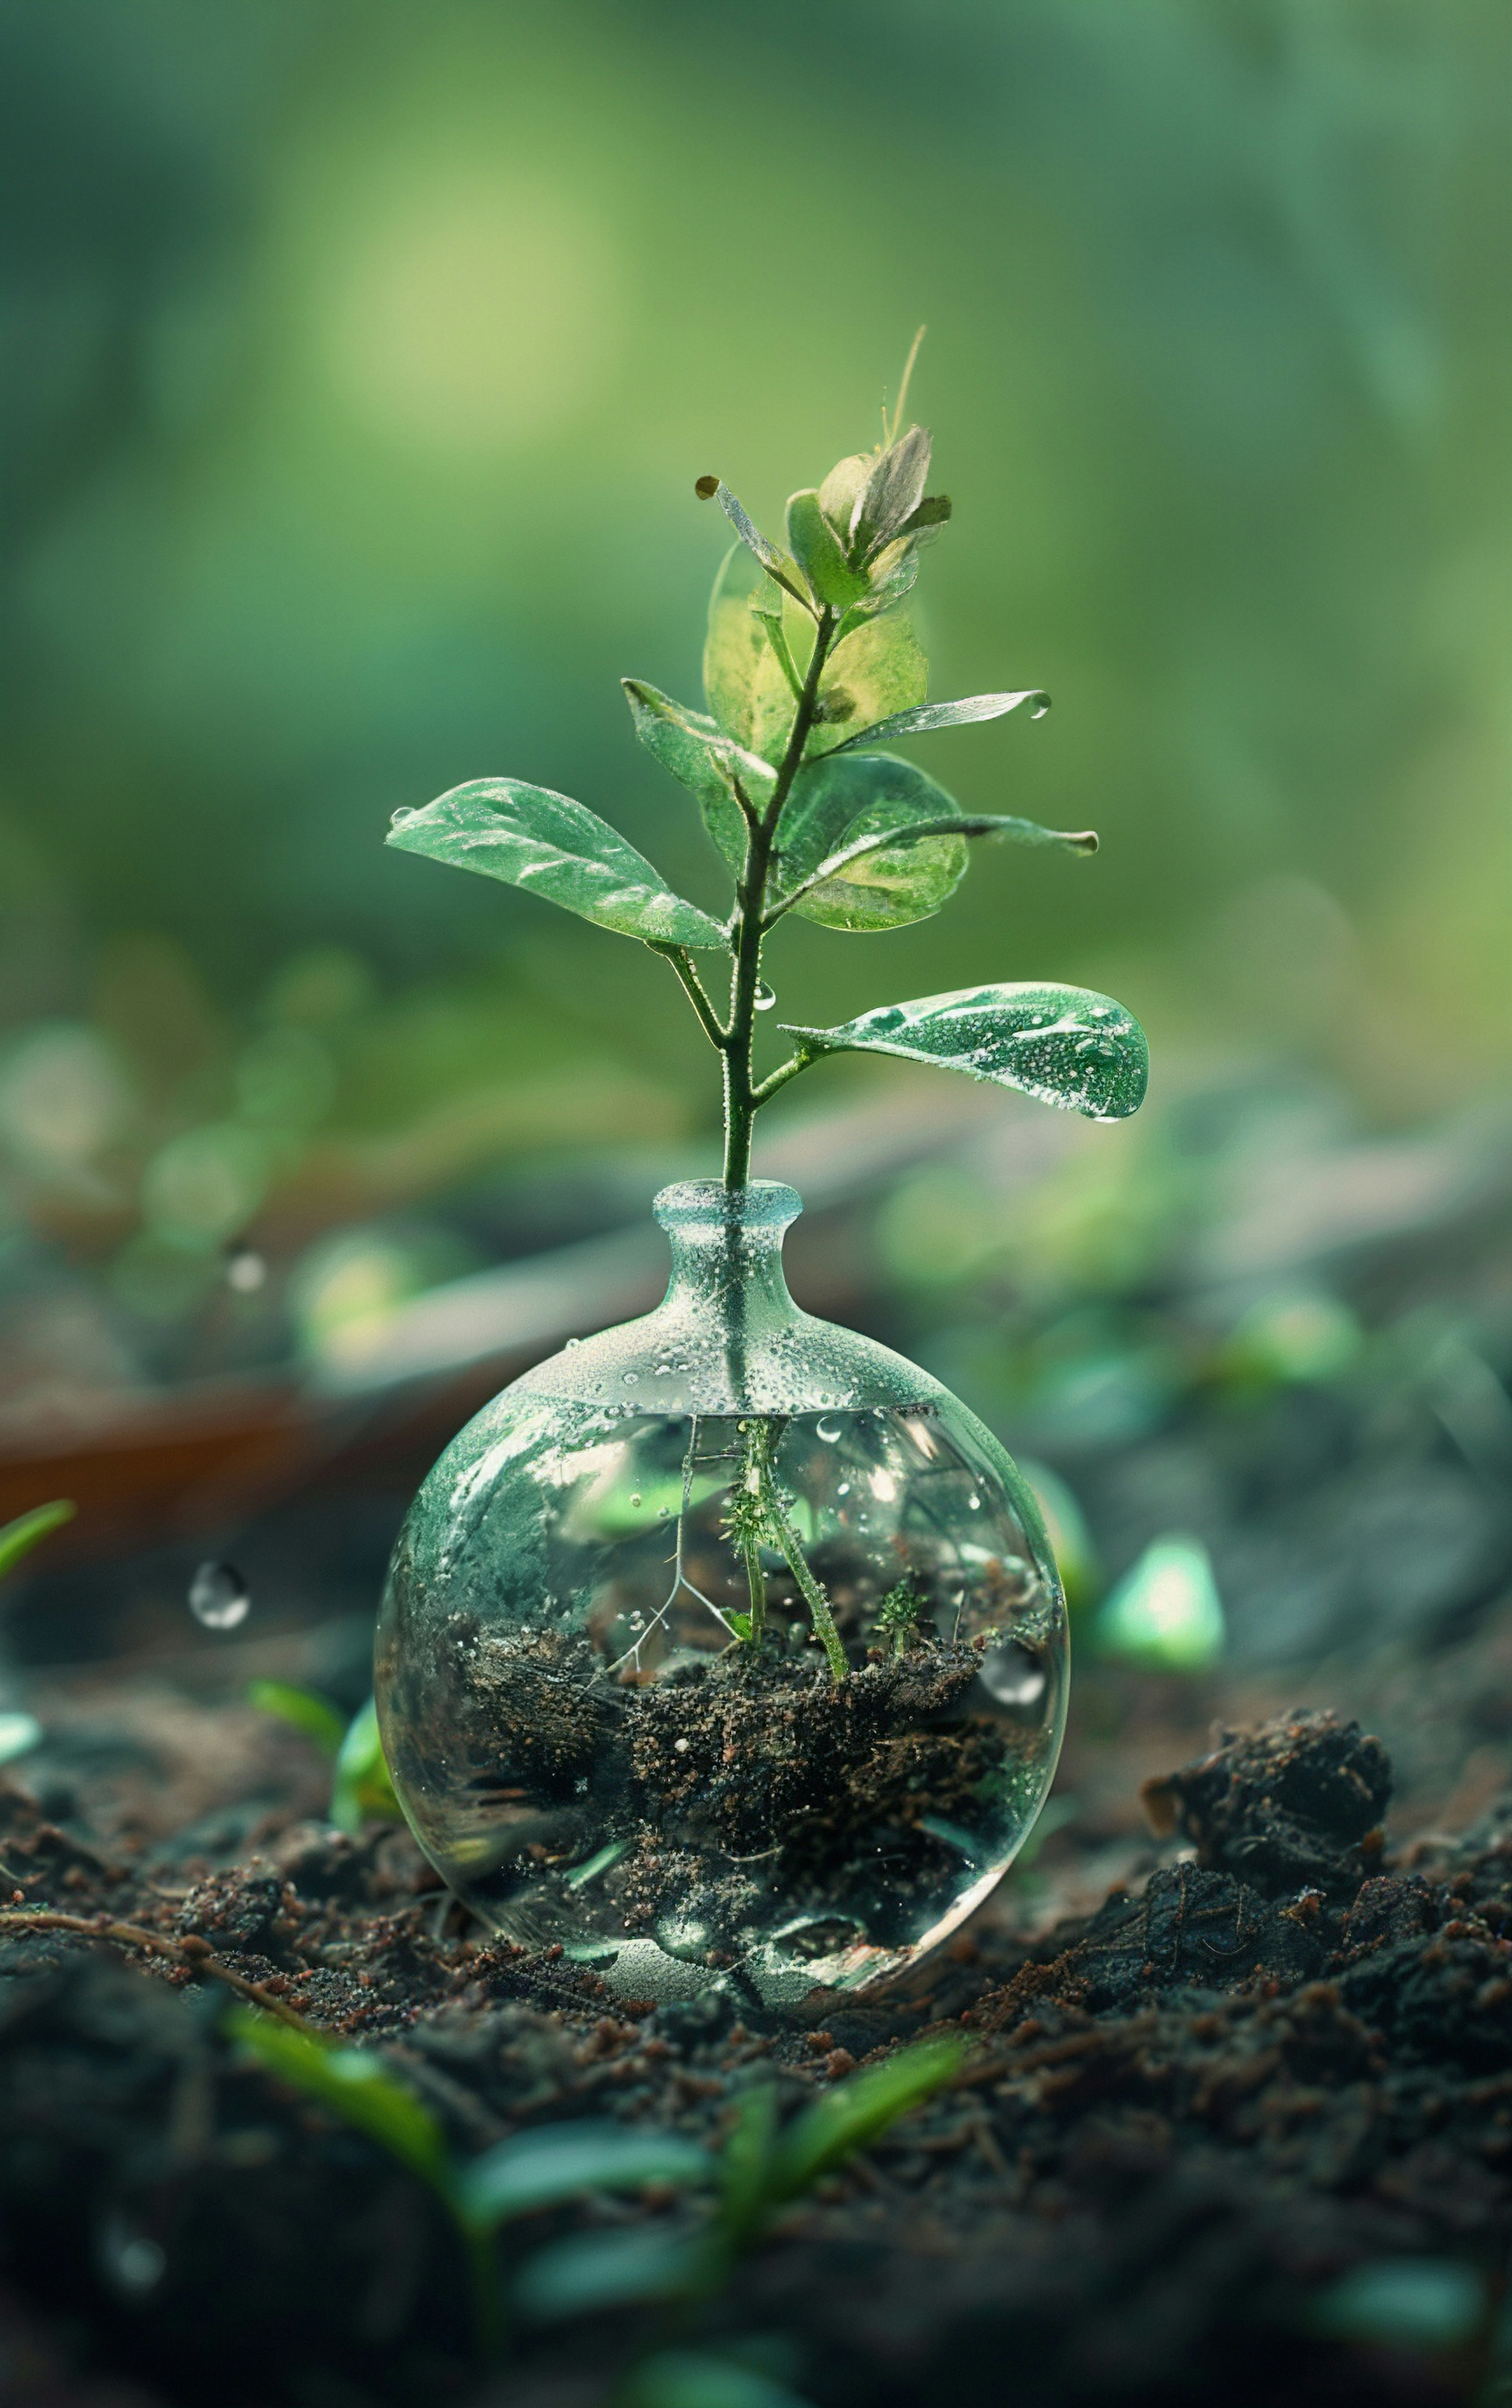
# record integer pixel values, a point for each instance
(1063, 1044)
(894, 574)
(745, 2161)
(607, 2269)
(685, 2378)
(891, 495)
(927, 716)
(302, 1710)
(775, 562)
(702, 758)
(851, 2115)
(550, 845)
(835, 804)
(542, 2169)
(816, 546)
(355, 2084)
(842, 489)
(873, 675)
(934, 510)
(744, 681)
(18, 1538)
(845, 865)
(362, 1791)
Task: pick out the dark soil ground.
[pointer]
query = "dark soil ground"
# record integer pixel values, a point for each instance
(1276, 2052)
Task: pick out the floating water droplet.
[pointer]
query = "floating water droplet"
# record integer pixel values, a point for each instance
(245, 1269)
(219, 1596)
(133, 2264)
(765, 996)
(828, 1427)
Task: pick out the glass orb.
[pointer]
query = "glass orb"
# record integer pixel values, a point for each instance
(727, 1645)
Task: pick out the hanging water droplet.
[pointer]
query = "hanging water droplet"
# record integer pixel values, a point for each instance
(973, 1503)
(245, 1269)
(1039, 706)
(219, 1596)
(765, 996)
(828, 1427)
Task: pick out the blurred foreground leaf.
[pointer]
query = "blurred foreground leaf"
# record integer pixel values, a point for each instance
(302, 1710)
(1165, 1613)
(542, 2169)
(363, 1791)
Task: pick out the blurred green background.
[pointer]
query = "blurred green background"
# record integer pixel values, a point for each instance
(361, 358)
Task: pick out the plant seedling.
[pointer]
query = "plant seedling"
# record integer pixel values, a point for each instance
(362, 1790)
(812, 671)
(762, 2170)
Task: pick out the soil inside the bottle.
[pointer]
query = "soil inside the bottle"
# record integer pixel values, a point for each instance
(748, 1780)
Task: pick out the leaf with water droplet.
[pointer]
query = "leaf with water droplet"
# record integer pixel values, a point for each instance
(837, 805)
(1018, 1036)
(927, 716)
(702, 758)
(549, 845)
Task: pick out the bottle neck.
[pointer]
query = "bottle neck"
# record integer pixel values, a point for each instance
(727, 1254)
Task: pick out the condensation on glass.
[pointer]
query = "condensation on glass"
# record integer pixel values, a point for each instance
(607, 1659)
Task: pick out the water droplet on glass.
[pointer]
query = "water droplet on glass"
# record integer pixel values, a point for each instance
(765, 996)
(634, 1495)
(664, 1513)
(1012, 1675)
(245, 1271)
(219, 1596)
(828, 1427)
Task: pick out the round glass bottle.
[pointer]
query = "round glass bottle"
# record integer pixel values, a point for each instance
(726, 1643)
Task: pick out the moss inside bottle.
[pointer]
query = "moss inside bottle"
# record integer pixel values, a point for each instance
(727, 1645)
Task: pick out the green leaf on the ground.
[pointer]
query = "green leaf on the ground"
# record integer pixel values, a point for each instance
(592, 2271)
(302, 1710)
(685, 2378)
(744, 683)
(354, 2084)
(870, 677)
(362, 1791)
(816, 549)
(856, 2111)
(930, 715)
(18, 1538)
(550, 845)
(1063, 1044)
(702, 758)
(838, 803)
(562, 2161)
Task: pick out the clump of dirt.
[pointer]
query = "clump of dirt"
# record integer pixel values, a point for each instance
(1301, 1801)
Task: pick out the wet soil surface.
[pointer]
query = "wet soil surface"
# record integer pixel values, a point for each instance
(1274, 2048)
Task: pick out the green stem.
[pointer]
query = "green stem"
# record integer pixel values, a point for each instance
(742, 1099)
(814, 1596)
(693, 987)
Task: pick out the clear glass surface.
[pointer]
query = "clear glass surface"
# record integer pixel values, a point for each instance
(726, 1645)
